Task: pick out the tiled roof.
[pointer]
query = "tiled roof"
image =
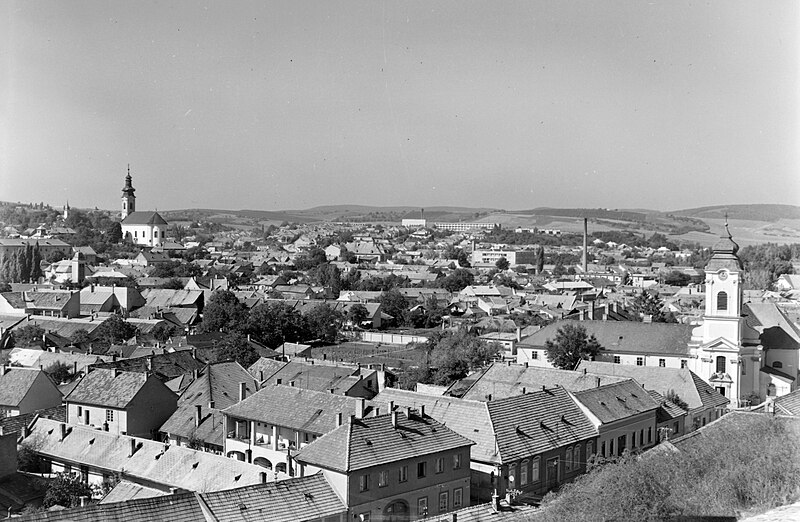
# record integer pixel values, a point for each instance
(315, 376)
(468, 418)
(102, 387)
(127, 490)
(297, 499)
(692, 389)
(777, 330)
(15, 299)
(264, 368)
(165, 365)
(144, 218)
(537, 422)
(296, 408)
(375, 441)
(667, 410)
(153, 462)
(626, 336)
(16, 423)
(788, 404)
(48, 300)
(165, 298)
(502, 380)
(617, 401)
(15, 384)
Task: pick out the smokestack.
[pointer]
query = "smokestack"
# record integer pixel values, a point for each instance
(242, 391)
(585, 246)
(198, 415)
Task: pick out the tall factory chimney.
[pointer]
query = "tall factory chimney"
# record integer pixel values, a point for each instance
(585, 246)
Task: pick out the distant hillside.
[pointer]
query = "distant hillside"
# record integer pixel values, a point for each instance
(755, 212)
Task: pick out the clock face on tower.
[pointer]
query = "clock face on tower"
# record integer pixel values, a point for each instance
(723, 275)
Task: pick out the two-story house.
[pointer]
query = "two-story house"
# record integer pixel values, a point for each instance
(23, 390)
(396, 466)
(125, 403)
(267, 427)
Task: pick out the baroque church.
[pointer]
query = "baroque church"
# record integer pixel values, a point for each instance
(145, 228)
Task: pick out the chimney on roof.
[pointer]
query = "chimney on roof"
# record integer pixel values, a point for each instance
(133, 447)
(597, 381)
(195, 374)
(391, 406)
(495, 502)
(422, 410)
(278, 381)
(260, 375)
(526, 364)
(408, 411)
(242, 391)
(262, 477)
(291, 383)
(360, 406)
(338, 419)
(116, 372)
(523, 390)
(584, 371)
(210, 405)
(394, 419)
(333, 390)
(376, 412)
(194, 353)
(198, 415)
(149, 363)
(83, 498)
(63, 428)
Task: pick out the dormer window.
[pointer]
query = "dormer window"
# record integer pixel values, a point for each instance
(722, 301)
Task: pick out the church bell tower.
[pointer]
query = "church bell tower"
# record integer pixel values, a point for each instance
(128, 198)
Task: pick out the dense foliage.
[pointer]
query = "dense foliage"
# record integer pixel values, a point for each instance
(570, 346)
(750, 465)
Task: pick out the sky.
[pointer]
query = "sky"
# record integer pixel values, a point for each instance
(292, 104)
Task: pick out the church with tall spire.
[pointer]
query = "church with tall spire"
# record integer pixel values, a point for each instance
(146, 228)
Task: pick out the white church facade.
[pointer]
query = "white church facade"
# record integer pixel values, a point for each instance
(145, 228)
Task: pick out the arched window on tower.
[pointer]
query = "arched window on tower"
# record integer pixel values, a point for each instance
(722, 301)
(721, 364)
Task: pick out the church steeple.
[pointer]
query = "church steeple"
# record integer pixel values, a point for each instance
(128, 197)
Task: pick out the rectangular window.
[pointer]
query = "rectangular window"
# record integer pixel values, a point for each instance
(458, 496)
(364, 517)
(403, 473)
(80, 413)
(576, 458)
(633, 439)
(109, 415)
(684, 362)
(422, 507)
(589, 448)
(457, 461)
(383, 479)
(523, 473)
(534, 354)
(535, 470)
(640, 361)
(617, 359)
(422, 469)
(603, 449)
(363, 483)
(611, 447)
(649, 434)
(568, 460)
(444, 501)
(440, 465)
(662, 363)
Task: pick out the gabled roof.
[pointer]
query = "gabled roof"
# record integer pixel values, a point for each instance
(296, 408)
(265, 368)
(376, 441)
(788, 404)
(165, 298)
(317, 377)
(626, 336)
(153, 462)
(219, 382)
(501, 380)
(15, 383)
(614, 402)
(107, 388)
(667, 410)
(144, 218)
(696, 392)
(538, 422)
(165, 365)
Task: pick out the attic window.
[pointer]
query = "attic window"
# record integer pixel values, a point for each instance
(194, 466)
(91, 441)
(236, 478)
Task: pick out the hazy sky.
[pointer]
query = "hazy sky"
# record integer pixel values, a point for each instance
(291, 104)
